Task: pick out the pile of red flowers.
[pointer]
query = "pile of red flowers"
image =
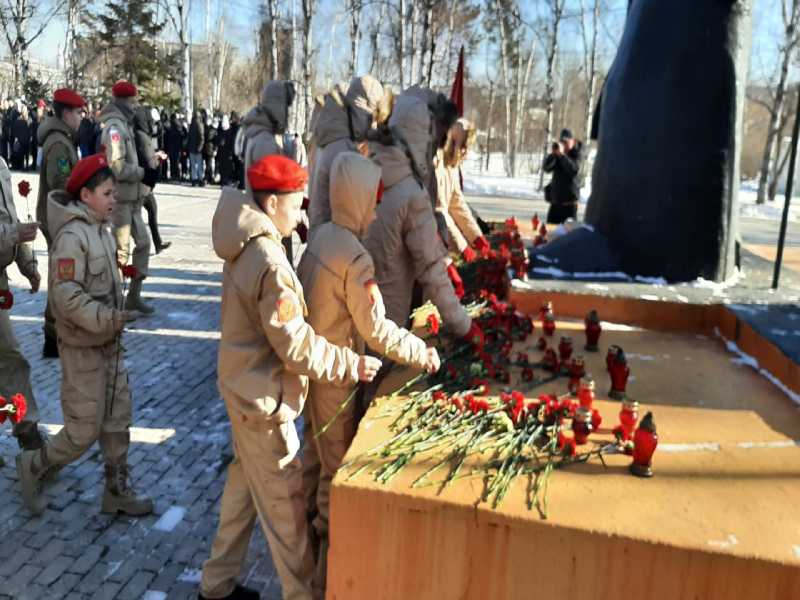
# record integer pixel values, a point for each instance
(14, 410)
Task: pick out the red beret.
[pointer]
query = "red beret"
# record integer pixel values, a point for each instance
(68, 97)
(276, 173)
(123, 89)
(84, 170)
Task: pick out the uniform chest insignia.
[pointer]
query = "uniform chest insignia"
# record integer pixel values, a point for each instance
(63, 166)
(66, 269)
(287, 309)
(114, 135)
(372, 289)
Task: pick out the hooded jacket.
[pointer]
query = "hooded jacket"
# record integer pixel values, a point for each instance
(265, 124)
(143, 125)
(83, 282)
(403, 240)
(461, 225)
(267, 351)
(11, 250)
(342, 125)
(338, 275)
(117, 139)
(59, 157)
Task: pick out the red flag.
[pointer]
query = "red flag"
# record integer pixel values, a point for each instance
(457, 95)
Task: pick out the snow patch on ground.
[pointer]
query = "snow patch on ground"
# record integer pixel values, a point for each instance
(712, 447)
(151, 595)
(731, 541)
(170, 519)
(191, 575)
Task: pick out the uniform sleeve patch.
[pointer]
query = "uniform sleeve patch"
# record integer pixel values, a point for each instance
(114, 135)
(371, 287)
(66, 269)
(287, 309)
(63, 166)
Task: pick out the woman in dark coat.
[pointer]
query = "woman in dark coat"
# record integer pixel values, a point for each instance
(225, 141)
(145, 133)
(21, 140)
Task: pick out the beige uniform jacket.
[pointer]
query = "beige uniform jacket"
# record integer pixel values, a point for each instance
(120, 149)
(59, 157)
(10, 248)
(338, 276)
(344, 118)
(461, 225)
(403, 240)
(84, 279)
(268, 350)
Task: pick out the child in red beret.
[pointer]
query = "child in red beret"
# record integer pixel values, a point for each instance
(86, 299)
(267, 354)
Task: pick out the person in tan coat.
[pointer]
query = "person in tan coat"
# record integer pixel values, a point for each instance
(450, 203)
(264, 127)
(15, 371)
(342, 126)
(345, 305)
(403, 241)
(86, 301)
(118, 143)
(267, 354)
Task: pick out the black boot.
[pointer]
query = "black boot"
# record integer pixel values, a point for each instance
(161, 247)
(50, 349)
(239, 593)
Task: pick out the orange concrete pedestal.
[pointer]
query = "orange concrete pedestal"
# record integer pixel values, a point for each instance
(719, 520)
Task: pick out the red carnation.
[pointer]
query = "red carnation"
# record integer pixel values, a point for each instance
(596, 419)
(438, 395)
(6, 299)
(620, 434)
(432, 323)
(569, 447)
(3, 414)
(128, 271)
(20, 408)
(24, 188)
(481, 385)
(527, 374)
(457, 402)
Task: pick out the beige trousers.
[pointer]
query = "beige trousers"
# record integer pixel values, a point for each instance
(87, 388)
(263, 480)
(128, 223)
(15, 374)
(323, 457)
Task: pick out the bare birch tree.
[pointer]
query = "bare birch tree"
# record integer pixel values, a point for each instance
(355, 8)
(17, 18)
(590, 67)
(178, 13)
(556, 14)
(790, 13)
(309, 7)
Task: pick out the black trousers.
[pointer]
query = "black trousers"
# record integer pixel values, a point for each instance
(558, 213)
(152, 218)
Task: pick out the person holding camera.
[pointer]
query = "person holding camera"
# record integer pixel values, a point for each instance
(565, 162)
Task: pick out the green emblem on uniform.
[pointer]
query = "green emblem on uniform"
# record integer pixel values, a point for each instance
(63, 166)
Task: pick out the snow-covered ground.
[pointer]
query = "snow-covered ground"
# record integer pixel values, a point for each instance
(494, 182)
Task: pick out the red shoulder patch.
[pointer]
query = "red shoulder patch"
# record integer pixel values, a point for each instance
(66, 269)
(371, 287)
(287, 309)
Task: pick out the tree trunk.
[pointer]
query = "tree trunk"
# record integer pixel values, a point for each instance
(591, 71)
(402, 53)
(273, 28)
(414, 19)
(355, 35)
(308, 50)
(376, 32)
(489, 114)
(780, 163)
(790, 41)
(185, 81)
(451, 23)
(509, 157)
(522, 97)
(558, 9)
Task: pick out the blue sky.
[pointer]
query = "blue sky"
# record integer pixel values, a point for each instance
(243, 15)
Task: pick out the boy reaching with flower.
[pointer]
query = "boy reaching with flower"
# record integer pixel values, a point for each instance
(86, 300)
(345, 305)
(267, 354)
